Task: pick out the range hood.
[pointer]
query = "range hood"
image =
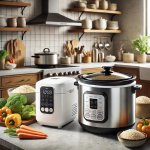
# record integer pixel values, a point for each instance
(50, 15)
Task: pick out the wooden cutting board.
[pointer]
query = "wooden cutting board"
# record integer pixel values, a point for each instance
(19, 47)
(16, 49)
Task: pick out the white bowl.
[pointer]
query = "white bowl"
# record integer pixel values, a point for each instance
(10, 66)
(110, 58)
(131, 143)
(30, 96)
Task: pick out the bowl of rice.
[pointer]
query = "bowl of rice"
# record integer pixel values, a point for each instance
(27, 90)
(132, 138)
(142, 107)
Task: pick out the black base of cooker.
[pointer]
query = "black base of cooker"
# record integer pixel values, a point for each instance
(104, 130)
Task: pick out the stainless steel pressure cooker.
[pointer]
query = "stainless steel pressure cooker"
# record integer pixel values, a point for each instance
(46, 58)
(106, 101)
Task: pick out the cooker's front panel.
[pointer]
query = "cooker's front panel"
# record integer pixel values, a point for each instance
(94, 107)
(47, 100)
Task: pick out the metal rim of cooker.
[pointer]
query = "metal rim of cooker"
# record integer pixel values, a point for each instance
(107, 82)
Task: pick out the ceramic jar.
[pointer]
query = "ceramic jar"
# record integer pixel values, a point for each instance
(112, 25)
(87, 24)
(100, 24)
(103, 5)
(128, 57)
(96, 2)
(12, 22)
(3, 22)
(141, 58)
(21, 22)
(112, 6)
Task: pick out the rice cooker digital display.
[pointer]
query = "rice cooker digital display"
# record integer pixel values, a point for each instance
(47, 100)
(94, 107)
(93, 103)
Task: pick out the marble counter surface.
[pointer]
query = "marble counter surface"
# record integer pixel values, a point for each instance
(71, 137)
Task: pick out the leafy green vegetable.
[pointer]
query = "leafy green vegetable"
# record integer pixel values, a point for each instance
(3, 54)
(142, 44)
(28, 112)
(2, 102)
(16, 103)
(11, 131)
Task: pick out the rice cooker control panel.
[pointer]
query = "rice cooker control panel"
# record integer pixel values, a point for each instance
(94, 107)
(47, 100)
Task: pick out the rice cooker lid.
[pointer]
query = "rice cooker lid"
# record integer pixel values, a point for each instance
(107, 78)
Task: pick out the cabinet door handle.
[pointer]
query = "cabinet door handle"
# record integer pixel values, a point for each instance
(27, 80)
(21, 81)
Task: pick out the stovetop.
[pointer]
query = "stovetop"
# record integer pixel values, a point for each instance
(50, 66)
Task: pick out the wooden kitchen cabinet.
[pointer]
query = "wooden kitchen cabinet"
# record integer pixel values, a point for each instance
(7, 82)
(135, 71)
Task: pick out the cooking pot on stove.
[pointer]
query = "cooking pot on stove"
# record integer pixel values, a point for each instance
(106, 101)
(46, 58)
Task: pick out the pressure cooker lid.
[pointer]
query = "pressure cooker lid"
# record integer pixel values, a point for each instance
(107, 77)
(46, 51)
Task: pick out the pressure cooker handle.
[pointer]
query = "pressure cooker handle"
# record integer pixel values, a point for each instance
(36, 56)
(136, 87)
(76, 83)
(46, 50)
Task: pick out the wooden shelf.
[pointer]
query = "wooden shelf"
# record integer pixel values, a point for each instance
(14, 4)
(94, 31)
(95, 11)
(14, 29)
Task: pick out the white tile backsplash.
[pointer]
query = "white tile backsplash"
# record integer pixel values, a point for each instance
(46, 36)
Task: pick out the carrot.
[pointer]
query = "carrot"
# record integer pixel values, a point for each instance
(30, 136)
(29, 129)
(30, 132)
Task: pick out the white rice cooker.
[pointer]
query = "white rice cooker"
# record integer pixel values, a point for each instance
(56, 101)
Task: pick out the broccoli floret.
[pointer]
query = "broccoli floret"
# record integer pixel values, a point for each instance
(2, 102)
(16, 103)
(28, 112)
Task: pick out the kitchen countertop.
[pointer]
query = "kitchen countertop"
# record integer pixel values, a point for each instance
(26, 70)
(71, 137)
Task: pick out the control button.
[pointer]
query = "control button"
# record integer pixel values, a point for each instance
(69, 73)
(51, 109)
(65, 73)
(100, 116)
(93, 117)
(73, 73)
(46, 109)
(87, 115)
(77, 72)
(48, 75)
(54, 74)
(60, 74)
(42, 109)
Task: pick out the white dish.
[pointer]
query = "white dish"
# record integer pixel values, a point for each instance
(10, 66)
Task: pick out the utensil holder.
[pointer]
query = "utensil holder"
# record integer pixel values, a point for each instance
(79, 58)
(86, 59)
(2, 64)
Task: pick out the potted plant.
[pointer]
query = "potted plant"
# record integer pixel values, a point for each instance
(142, 45)
(3, 55)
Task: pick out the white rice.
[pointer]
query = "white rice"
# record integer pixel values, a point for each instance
(24, 89)
(132, 134)
(143, 100)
